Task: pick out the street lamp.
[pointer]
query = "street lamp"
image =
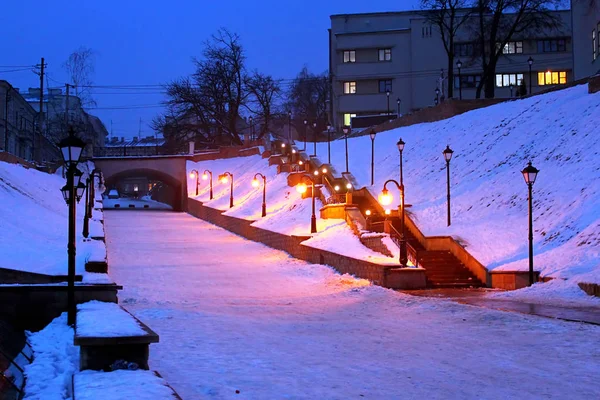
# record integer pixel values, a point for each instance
(71, 148)
(301, 188)
(205, 176)
(305, 133)
(398, 101)
(346, 130)
(256, 183)
(385, 199)
(195, 174)
(251, 128)
(87, 214)
(387, 93)
(448, 156)
(400, 144)
(459, 66)
(224, 179)
(437, 96)
(328, 144)
(372, 135)
(315, 138)
(530, 174)
(289, 127)
(530, 62)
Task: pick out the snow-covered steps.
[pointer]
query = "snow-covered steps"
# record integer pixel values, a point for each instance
(121, 384)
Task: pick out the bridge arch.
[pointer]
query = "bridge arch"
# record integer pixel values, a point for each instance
(169, 170)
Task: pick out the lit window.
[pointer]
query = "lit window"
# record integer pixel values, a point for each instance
(385, 54)
(385, 85)
(552, 78)
(512, 48)
(505, 80)
(349, 56)
(348, 119)
(349, 87)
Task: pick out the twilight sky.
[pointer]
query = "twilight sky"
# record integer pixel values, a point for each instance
(151, 42)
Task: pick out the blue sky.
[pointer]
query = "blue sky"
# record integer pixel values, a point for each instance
(152, 42)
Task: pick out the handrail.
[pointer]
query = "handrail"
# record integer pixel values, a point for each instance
(336, 198)
(410, 250)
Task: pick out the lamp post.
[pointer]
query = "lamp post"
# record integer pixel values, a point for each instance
(400, 144)
(315, 138)
(385, 198)
(301, 188)
(205, 176)
(251, 127)
(530, 62)
(372, 135)
(387, 93)
(290, 127)
(459, 66)
(346, 130)
(530, 174)
(224, 178)
(328, 144)
(196, 174)
(256, 183)
(71, 148)
(87, 214)
(448, 156)
(305, 132)
(398, 101)
(437, 96)
(511, 87)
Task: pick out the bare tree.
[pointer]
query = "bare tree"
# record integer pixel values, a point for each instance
(499, 21)
(308, 96)
(81, 66)
(263, 92)
(448, 16)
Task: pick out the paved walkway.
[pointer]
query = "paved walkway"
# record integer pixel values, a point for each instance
(236, 315)
(477, 297)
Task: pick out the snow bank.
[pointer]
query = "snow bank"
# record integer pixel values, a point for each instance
(100, 319)
(121, 385)
(55, 360)
(287, 212)
(556, 131)
(559, 292)
(33, 223)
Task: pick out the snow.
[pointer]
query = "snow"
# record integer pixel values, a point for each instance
(236, 315)
(138, 203)
(558, 292)
(121, 385)
(101, 319)
(55, 360)
(287, 212)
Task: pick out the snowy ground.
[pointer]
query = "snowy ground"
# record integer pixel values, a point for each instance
(235, 315)
(34, 224)
(287, 212)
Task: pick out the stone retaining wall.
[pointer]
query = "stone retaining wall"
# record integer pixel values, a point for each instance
(376, 273)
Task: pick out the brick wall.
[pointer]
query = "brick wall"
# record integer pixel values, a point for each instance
(376, 244)
(293, 245)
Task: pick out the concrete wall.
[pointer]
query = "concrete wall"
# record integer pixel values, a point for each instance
(586, 18)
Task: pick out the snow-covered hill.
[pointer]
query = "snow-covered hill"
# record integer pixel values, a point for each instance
(558, 132)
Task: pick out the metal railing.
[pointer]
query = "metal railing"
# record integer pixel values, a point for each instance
(411, 252)
(337, 198)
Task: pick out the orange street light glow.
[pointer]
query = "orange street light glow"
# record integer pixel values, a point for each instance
(368, 212)
(300, 162)
(348, 186)
(192, 175)
(224, 180)
(385, 198)
(324, 170)
(336, 187)
(388, 212)
(293, 151)
(316, 172)
(301, 188)
(255, 183)
(282, 144)
(204, 176)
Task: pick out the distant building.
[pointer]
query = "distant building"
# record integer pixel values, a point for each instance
(402, 54)
(586, 37)
(118, 147)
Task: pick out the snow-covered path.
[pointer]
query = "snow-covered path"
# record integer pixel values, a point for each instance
(236, 315)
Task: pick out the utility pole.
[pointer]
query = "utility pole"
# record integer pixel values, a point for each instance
(67, 106)
(41, 112)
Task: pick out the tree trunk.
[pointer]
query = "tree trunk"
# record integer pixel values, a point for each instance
(450, 75)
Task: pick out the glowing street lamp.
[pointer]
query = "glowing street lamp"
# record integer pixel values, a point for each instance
(256, 184)
(530, 174)
(448, 156)
(346, 130)
(328, 144)
(302, 188)
(194, 174)
(205, 175)
(372, 135)
(530, 62)
(385, 199)
(71, 149)
(305, 133)
(314, 138)
(224, 179)
(459, 66)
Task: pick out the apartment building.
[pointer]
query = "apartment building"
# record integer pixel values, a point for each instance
(393, 62)
(586, 37)
(18, 130)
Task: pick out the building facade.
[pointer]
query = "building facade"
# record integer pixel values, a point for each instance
(393, 62)
(586, 37)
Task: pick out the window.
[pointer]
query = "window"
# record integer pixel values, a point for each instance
(349, 56)
(348, 119)
(505, 80)
(385, 85)
(468, 81)
(385, 54)
(349, 87)
(551, 45)
(594, 54)
(512, 48)
(426, 31)
(552, 78)
(464, 49)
